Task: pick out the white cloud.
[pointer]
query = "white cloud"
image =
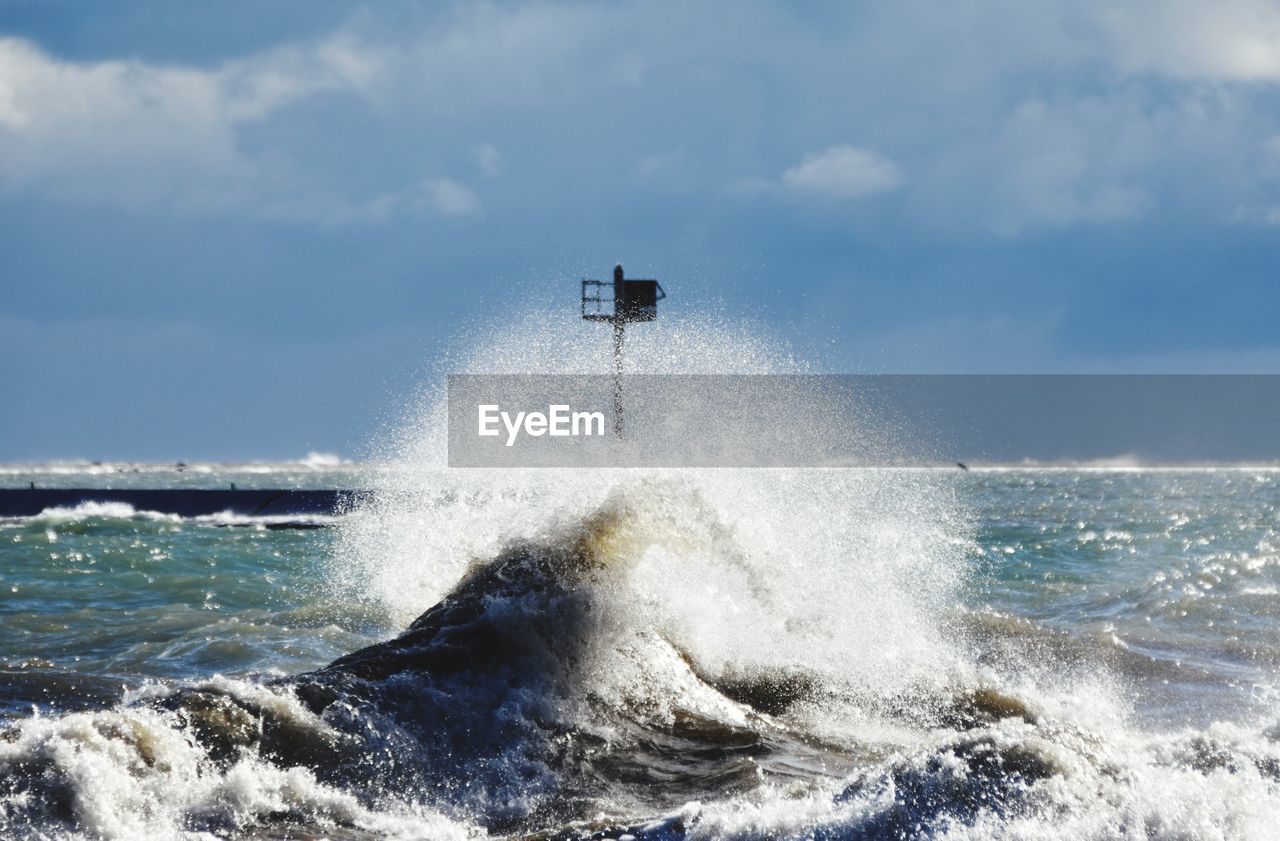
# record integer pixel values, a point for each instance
(1271, 155)
(451, 198)
(590, 90)
(843, 172)
(1113, 156)
(1066, 163)
(129, 132)
(140, 134)
(975, 43)
(137, 134)
(1264, 215)
(1192, 39)
(79, 129)
(488, 158)
(521, 56)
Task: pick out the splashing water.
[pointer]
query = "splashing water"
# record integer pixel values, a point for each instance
(667, 654)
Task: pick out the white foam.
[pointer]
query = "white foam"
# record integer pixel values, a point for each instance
(322, 461)
(232, 518)
(136, 773)
(848, 574)
(1122, 785)
(103, 511)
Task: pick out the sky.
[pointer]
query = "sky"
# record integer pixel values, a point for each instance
(245, 230)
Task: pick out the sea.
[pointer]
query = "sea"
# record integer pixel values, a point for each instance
(1028, 651)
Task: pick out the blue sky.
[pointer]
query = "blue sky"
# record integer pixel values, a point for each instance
(244, 230)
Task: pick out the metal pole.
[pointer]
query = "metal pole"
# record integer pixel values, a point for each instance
(619, 325)
(618, 328)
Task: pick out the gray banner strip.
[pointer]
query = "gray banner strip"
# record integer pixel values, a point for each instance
(859, 420)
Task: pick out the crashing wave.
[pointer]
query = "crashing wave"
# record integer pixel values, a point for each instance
(542, 696)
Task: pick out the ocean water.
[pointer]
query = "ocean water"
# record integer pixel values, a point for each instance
(1024, 652)
(998, 653)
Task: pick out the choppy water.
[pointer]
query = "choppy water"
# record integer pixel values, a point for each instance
(809, 654)
(999, 653)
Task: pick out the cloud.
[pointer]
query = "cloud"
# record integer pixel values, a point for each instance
(488, 158)
(1264, 215)
(1188, 39)
(240, 136)
(78, 130)
(133, 133)
(137, 134)
(843, 172)
(1066, 163)
(451, 198)
(1024, 116)
(484, 56)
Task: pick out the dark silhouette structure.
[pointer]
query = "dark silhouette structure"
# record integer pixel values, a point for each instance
(632, 300)
(185, 502)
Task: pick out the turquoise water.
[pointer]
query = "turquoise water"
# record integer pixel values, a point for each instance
(103, 598)
(1135, 608)
(1172, 575)
(1179, 568)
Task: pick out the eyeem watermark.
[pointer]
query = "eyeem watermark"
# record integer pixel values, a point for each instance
(693, 420)
(671, 420)
(559, 421)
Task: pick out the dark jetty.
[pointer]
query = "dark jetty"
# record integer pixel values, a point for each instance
(184, 502)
